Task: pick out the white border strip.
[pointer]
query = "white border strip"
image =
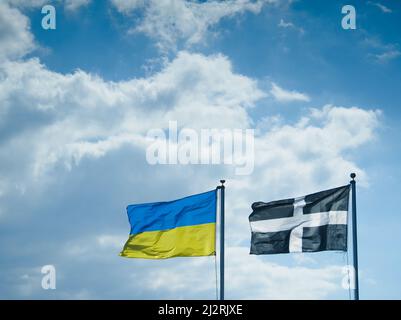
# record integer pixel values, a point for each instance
(306, 220)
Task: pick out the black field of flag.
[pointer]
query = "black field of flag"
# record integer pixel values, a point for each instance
(316, 222)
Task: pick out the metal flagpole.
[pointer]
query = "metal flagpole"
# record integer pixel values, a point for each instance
(222, 189)
(354, 235)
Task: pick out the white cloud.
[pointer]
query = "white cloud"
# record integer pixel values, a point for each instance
(127, 6)
(382, 7)
(89, 117)
(113, 241)
(260, 279)
(296, 159)
(248, 277)
(286, 25)
(387, 56)
(385, 51)
(303, 258)
(283, 95)
(82, 116)
(16, 39)
(73, 5)
(171, 21)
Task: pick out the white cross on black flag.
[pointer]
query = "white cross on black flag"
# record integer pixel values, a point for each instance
(316, 222)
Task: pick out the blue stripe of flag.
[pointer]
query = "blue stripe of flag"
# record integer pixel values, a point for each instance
(188, 211)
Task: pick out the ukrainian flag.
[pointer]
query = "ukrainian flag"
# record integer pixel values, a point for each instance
(181, 228)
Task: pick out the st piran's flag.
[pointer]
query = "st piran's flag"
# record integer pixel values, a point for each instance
(315, 222)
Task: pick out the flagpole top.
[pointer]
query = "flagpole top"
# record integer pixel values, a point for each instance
(222, 182)
(353, 175)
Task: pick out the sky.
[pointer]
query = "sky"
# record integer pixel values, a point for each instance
(77, 102)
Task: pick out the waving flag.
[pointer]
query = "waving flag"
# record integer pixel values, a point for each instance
(315, 222)
(181, 228)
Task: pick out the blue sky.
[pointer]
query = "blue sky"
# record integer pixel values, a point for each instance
(77, 102)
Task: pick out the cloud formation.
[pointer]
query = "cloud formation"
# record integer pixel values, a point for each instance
(387, 56)
(172, 21)
(72, 152)
(282, 95)
(73, 5)
(289, 25)
(15, 38)
(382, 7)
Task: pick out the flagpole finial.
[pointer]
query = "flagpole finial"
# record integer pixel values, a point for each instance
(353, 175)
(222, 182)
